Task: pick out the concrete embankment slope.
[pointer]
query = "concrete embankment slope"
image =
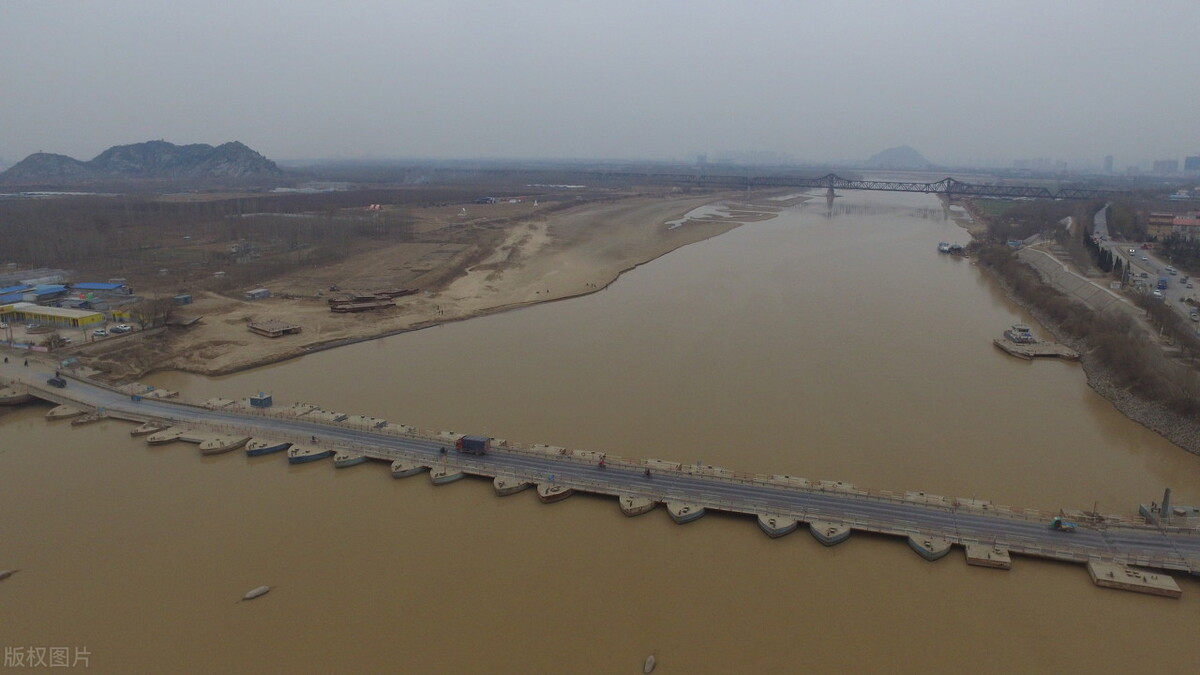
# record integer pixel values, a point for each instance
(1087, 291)
(1180, 429)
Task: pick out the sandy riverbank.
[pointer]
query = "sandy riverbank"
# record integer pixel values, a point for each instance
(541, 258)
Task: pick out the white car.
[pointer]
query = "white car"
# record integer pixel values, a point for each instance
(1132, 251)
(100, 332)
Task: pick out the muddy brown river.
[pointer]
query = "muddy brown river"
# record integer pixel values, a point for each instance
(830, 346)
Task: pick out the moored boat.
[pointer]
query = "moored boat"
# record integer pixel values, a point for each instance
(829, 533)
(943, 247)
(776, 526)
(445, 474)
(300, 454)
(62, 412)
(344, 459)
(509, 485)
(220, 444)
(636, 506)
(168, 435)
(1020, 334)
(549, 493)
(929, 548)
(146, 429)
(403, 468)
(265, 446)
(682, 512)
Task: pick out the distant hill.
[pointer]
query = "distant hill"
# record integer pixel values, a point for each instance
(902, 157)
(152, 160)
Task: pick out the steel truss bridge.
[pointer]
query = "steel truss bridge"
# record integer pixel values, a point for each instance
(947, 186)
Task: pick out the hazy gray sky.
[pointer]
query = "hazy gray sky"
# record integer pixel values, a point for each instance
(958, 80)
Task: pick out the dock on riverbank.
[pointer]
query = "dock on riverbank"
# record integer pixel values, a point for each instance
(1031, 350)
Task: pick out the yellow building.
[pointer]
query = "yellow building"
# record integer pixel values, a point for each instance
(20, 312)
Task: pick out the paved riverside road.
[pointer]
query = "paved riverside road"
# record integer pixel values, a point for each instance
(1015, 531)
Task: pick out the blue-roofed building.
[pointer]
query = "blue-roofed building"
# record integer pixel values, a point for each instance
(92, 286)
(45, 293)
(10, 298)
(20, 288)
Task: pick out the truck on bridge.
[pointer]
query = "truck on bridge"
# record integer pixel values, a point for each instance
(475, 445)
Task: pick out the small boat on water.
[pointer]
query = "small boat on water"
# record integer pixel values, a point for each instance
(299, 454)
(648, 666)
(256, 592)
(1020, 334)
(265, 446)
(943, 247)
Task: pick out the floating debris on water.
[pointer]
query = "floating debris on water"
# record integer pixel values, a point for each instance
(256, 593)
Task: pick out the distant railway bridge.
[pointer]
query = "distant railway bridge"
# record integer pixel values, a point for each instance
(947, 186)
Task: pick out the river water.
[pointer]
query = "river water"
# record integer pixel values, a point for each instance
(831, 346)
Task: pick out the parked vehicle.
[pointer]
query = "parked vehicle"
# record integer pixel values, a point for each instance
(1057, 523)
(56, 381)
(100, 332)
(475, 445)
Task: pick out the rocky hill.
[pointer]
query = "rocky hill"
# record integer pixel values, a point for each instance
(902, 157)
(153, 160)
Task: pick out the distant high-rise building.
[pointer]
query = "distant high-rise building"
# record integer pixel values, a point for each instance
(1166, 166)
(1191, 163)
(1108, 163)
